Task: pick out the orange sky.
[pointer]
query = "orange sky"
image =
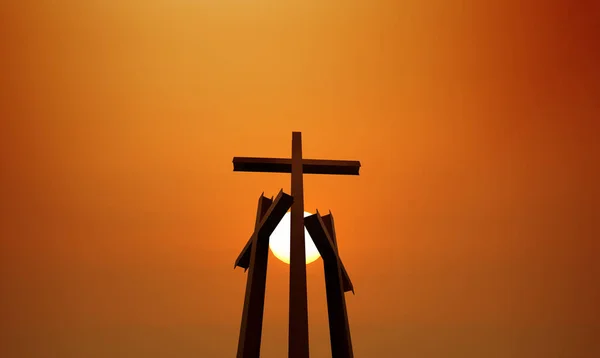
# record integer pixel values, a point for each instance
(472, 231)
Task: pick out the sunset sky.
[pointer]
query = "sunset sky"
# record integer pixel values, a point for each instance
(473, 230)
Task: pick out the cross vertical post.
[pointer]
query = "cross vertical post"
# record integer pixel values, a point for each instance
(298, 312)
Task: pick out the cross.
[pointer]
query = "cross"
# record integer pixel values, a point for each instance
(297, 166)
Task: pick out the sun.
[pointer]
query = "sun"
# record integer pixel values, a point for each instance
(279, 242)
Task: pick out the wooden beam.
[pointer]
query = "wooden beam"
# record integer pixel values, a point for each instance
(264, 165)
(298, 304)
(334, 167)
(284, 165)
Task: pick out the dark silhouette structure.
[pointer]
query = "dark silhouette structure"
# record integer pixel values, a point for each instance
(269, 214)
(298, 305)
(337, 282)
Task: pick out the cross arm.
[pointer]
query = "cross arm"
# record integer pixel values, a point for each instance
(323, 166)
(284, 165)
(322, 238)
(265, 165)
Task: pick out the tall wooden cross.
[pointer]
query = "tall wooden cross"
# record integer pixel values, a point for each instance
(297, 166)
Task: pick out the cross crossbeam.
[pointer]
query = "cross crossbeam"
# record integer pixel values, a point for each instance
(284, 165)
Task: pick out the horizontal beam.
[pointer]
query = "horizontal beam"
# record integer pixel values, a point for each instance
(284, 165)
(264, 165)
(334, 167)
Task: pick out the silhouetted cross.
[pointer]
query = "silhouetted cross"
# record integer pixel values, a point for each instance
(298, 305)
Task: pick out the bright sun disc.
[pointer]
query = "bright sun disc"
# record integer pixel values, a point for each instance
(279, 242)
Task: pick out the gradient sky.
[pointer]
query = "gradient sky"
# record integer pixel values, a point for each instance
(473, 230)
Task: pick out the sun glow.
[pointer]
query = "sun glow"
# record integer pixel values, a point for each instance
(279, 242)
